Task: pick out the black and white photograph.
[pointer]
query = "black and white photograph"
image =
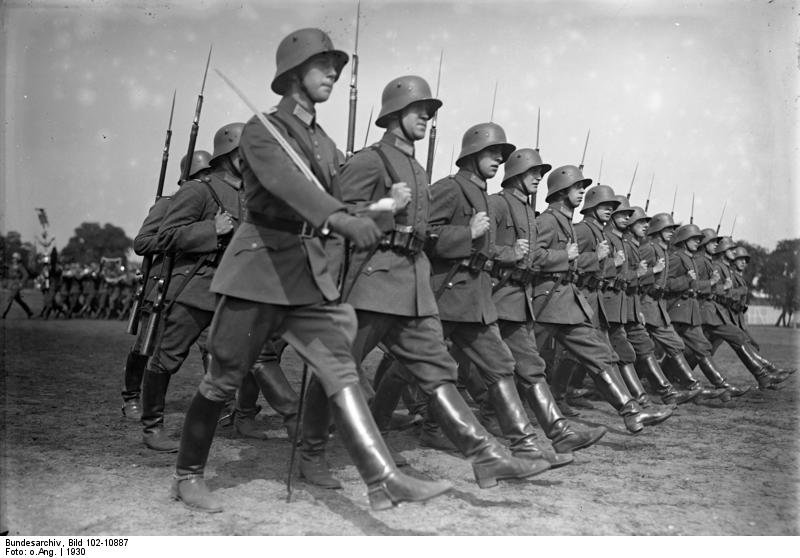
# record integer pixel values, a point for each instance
(407, 268)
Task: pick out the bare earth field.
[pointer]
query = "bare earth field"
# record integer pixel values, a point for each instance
(72, 466)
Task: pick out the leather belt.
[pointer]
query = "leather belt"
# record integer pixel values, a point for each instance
(403, 240)
(301, 228)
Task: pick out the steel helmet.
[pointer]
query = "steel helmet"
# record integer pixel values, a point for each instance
(403, 91)
(296, 48)
(523, 160)
(481, 136)
(659, 222)
(564, 178)
(227, 139)
(725, 244)
(624, 204)
(637, 215)
(597, 195)
(741, 252)
(200, 160)
(686, 232)
(709, 235)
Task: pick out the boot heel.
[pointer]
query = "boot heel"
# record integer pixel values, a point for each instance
(379, 498)
(484, 477)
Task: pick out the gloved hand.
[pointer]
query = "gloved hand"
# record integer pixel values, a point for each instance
(362, 231)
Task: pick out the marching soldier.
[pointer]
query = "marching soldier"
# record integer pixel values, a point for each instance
(514, 223)
(461, 258)
(390, 287)
(562, 311)
(17, 275)
(197, 227)
(729, 262)
(652, 285)
(274, 279)
(682, 286)
(146, 242)
(647, 364)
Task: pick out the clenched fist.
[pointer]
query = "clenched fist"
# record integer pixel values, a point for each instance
(479, 224)
(223, 222)
(401, 194)
(602, 250)
(362, 231)
(660, 265)
(521, 248)
(619, 258)
(572, 251)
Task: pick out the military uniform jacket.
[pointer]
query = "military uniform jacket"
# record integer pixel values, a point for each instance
(389, 282)
(739, 293)
(553, 301)
(725, 272)
(188, 231)
(17, 276)
(635, 283)
(615, 302)
(262, 263)
(512, 218)
(681, 289)
(654, 310)
(712, 313)
(589, 233)
(146, 242)
(468, 296)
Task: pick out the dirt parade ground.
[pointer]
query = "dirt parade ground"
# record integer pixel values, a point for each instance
(71, 465)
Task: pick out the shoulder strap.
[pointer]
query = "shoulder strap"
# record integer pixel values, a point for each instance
(510, 211)
(214, 195)
(306, 149)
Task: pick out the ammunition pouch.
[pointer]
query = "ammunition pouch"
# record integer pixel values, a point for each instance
(515, 276)
(631, 290)
(403, 240)
(564, 278)
(589, 282)
(477, 262)
(656, 293)
(619, 285)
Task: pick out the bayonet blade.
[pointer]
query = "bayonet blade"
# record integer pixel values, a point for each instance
(205, 74)
(358, 25)
(538, 123)
(172, 110)
(494, 99)
(630, 189)
(585, 145)
(369, 122)
(439, 75)
(600, 172)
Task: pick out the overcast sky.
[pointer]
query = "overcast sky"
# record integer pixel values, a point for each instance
(703, 94)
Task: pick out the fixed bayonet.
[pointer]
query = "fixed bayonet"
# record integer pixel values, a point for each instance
(650, 191)
(721, 215)
(630, 189)
(494, 99)
(369, 122)
(674, 198)
(538, 123)
(434, 121)
(733, 227)
(600, 172)
(351, 117)
(691, 213)
(585, 145)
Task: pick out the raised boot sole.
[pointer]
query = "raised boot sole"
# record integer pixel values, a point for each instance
(486, 477)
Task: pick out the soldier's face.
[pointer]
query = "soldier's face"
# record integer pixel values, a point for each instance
(531, 179)
(489, 161)
(692, 244)
(319, 74)
(730, 253)
(711, 247)
(414, 120)
(666, 235)
(575, 195)
(603, 212)
(621, 220)
(740, 264)
(639, 228)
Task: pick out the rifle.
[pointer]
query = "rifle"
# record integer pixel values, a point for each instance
(147, 262)
(585, 145)
(452, 152)
(351, 117)
(434, 120)
(691, 214)
(369, 121)
(159, 303)
(650, 191)
(674, 197)
(494, 99)
(538, 122)
(630, 189)
(722, 215)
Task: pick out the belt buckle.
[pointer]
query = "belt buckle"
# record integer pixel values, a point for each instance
(306, 231)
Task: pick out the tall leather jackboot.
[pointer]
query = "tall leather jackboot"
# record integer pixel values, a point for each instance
(479, 393)
(517, 427)
(189, 486)
(559, 383)
(246, 408)
(682, 370)
(387, 396)
(617, 394)
(631, 379)
(564, 436)
(154, 393)
(710, 370)
(134, 371)
(386, 485)
(781, 373)
(648, 366)
(491, 461)
(277, 391)
(313, 465)
(746, 354)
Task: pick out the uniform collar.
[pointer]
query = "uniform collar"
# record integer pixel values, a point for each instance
(590, 220)
(402, 144)
(514, 191)
(472, 177)
(559, 207)
(228, 178)
(610, 228)
(290, 106)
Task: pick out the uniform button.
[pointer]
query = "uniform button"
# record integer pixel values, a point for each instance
(254, 245)
(318, 156)
(316, 142)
